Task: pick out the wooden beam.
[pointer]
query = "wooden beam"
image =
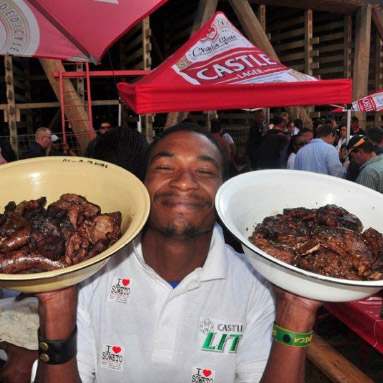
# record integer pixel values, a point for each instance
(253, 27)
(10, 114)
(377, 16)
(80, 128)
(257, 35)
(347, 52)
(362, 57)
(206, 9)
(332, 364)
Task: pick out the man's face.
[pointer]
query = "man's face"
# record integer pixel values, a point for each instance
(183, 175)
(343, 131)
(46, 140)
(359, 156)
(260, 116)
(105, 126)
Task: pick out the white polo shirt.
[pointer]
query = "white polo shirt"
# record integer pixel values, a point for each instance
(214, 327)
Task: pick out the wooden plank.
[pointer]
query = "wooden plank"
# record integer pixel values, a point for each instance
(347, 47)
(323, 27)
(332, 37)
(308, 51)
(287, 24)
(362, 57)
(71, 98)
(332, 364)
(287, 35)
(334, 69)
(377, 17)
(331, 48)
(261, 14)
(330, 59)
(292, 57)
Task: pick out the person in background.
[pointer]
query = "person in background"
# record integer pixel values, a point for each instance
(343, 156)
(241, 164)
(7, 151)
(216, 126)
(307, 135)
(124, 147)
(355, 128)
(375, 134)
(316, 125)
(40, 146)
(296, 143)
(273, 149)
(58, 148)
(256, 135)
(216, 131)
(320, 156)
(342, 135)
(298, 126)
(104, 127)
(361, 150)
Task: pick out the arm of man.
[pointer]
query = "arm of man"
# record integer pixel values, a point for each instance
(287, 363)
(57, 311)
(334, 165)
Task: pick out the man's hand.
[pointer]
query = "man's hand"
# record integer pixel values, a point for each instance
(19, 365)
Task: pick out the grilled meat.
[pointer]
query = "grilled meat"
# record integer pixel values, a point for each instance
(327, 241)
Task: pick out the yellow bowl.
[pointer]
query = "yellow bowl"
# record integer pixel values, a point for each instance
(107, 185)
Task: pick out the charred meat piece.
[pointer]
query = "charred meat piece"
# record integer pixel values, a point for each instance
(335, 216)
(14, 232)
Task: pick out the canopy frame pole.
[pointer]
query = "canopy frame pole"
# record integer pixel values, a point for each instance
(349, 108)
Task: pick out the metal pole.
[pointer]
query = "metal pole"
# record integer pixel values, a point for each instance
(119, 112)
(349, 106)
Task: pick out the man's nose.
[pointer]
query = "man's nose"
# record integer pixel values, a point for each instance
(184, 180)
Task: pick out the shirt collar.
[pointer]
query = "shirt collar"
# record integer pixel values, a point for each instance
(216, 264)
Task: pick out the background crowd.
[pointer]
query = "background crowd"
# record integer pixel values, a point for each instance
(282, 144)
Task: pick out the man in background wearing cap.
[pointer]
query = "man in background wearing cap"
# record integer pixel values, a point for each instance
(361, 150)
(320, 156)
(60, 149)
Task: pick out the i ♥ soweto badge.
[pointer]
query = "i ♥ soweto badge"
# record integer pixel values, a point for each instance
(202, 375)
(112, 357)
(120, 290)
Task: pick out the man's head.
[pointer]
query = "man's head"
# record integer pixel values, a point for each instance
(43, 137)
(285, 116)
(215, 126)
(260, 116)
(184, 171)
(279, 123)
(343, 130)
(354, 124)
(326, 133)
(360, 149)
(104, 127)
(298, 142)
(330, 120)
(375, 134)
(306, 134)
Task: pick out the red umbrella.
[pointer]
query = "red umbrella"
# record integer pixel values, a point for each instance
(75, 30)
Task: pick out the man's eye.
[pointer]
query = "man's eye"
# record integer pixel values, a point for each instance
(163, 167)
(205, 171)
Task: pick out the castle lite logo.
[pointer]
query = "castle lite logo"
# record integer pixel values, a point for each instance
(120, 290)
(219, 336)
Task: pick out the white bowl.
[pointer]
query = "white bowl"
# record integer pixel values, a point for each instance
(245, 200)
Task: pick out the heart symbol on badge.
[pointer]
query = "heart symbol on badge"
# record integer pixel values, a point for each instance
(206, 372)
(116, 349)
(125, 282)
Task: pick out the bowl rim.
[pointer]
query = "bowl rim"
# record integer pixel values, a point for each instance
(142, 216)
(245, 242)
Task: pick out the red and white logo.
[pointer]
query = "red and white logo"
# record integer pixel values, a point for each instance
(202, 375)
(112, 357)
(120, 290)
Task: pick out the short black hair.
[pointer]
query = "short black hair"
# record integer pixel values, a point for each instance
(215, 125)
(325, 130)
(305, 130)
(124, 147)
(277, 120)
(193, 128)
(298, 123)
(375, 134)
(354, 119)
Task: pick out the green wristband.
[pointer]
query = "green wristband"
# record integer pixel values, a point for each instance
(291, 338)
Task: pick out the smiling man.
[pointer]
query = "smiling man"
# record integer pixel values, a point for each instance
(177, 304)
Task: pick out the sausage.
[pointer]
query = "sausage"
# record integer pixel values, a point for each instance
(25, 261)
(16, 240)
